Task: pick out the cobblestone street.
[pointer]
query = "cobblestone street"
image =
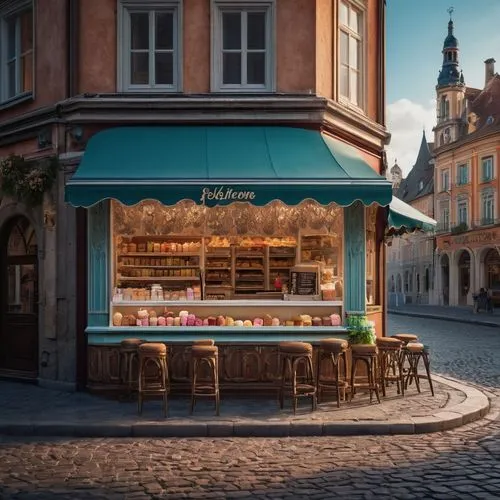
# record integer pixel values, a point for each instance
(461, 464)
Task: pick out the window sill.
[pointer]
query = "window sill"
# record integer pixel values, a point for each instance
(351, 106)
(14, 101)
(242, 90)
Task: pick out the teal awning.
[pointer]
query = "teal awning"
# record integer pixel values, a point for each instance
(218, 165)
(404, 217)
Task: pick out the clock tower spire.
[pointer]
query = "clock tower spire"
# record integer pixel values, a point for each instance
(450, 90)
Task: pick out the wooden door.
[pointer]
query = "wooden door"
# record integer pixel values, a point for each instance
(19, 299)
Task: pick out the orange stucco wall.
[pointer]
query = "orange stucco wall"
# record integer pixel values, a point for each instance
(296, 45)
(372, 44)
(324, 48)
(97, 42)
(196, 41)
(50, 58)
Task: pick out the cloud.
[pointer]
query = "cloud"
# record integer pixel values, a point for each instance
(405, 121)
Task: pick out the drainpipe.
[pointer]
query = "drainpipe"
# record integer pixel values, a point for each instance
(72, 36)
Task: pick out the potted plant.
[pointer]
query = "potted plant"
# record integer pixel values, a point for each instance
(360, 330)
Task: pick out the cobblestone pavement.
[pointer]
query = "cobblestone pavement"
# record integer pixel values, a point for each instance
(459, 464)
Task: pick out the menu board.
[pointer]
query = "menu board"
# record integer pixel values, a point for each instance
(304, 280)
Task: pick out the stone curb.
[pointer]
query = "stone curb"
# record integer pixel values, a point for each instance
(443, 318)
(475, 406)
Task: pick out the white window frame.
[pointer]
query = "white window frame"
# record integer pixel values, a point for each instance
(444, 216)
(445, 174)
(218, 7)
(465, 166)
(461, 204)
(360, 6)
(491, 176)
(123, 62)
(487, 198)
(14, 9)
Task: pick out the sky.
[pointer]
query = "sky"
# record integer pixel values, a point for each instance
(415, 31)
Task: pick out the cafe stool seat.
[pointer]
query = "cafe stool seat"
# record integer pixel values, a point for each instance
(390, 358)
(292, 356)
(205, 353)
(367, 355)
(413, 353)
(153, 373)
(332, 353)
(129, 364)
(405, 337)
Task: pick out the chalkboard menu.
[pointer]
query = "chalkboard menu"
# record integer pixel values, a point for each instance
(304, 280)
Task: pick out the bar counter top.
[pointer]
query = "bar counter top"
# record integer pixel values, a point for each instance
(272, 335)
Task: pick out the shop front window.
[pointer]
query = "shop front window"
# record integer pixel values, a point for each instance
(191, 252)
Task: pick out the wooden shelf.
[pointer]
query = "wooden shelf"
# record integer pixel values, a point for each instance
(159, 254)
(160, 267)
(158, 278)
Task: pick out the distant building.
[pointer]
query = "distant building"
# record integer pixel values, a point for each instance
(410, 266)
(456, 181)
(466, 204)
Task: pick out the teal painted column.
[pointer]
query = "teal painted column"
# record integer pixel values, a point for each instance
(354, 258)
(98, 264)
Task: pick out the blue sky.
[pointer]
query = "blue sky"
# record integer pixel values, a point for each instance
(415, 31)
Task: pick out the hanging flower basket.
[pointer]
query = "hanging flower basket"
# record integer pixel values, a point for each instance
(27, 181)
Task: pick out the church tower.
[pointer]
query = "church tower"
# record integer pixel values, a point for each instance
(450, 92)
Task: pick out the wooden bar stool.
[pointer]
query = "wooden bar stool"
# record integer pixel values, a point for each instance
(365, 354)
(414, 352)
(204, 352)
(129, 364)
(153, 373)
(405, 337)
(334, 352)
(292, 355)
(390, 358)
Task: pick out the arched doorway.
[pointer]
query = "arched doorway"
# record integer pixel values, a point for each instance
(463, 277)
(445, 279)
(19, 298)
(492, 269)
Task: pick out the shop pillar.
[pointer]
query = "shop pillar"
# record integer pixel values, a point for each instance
(354, 258)
(98, 264)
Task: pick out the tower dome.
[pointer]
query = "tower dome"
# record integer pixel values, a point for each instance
(450, 73)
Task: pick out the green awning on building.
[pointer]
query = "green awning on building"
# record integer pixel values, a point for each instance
(218, 165)
(404, 217)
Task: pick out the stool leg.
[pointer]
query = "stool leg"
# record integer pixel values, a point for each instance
(374, 367)
(213, 365)
(337, 377)
(428, 370)
(401, 378)
(164, 376)
(383, 368)
(194, 368)
(283, 376)
(354, 362)
(314, 402)
(217, 397)
(318, 374)
(139, 396)
(294, 385)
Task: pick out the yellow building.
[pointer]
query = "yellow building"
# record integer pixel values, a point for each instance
(466, 181)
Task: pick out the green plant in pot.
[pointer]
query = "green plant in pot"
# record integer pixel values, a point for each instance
(360, 330)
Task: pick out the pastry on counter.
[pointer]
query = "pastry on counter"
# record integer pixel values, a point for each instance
(117, 319)
(258, 322)
(297, 321)
(275, 322)
(268, 320)
(326, 320)
(229, 321)
(162, 321)
(238, 322)
(316, 321)
(247, 322)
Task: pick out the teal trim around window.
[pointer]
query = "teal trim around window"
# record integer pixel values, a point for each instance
(98, 264)
(218, 165)
(354, 258)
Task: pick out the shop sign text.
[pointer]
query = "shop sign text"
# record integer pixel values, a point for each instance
(475, 238)
(221, 193)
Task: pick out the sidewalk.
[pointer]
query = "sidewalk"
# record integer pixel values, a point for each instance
(32, 410)
(463, 314)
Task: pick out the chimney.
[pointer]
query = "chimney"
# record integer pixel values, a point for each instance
(489, 70)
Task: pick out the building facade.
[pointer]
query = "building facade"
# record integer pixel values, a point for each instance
(463, 195)
(73, 69)
(410, 257)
